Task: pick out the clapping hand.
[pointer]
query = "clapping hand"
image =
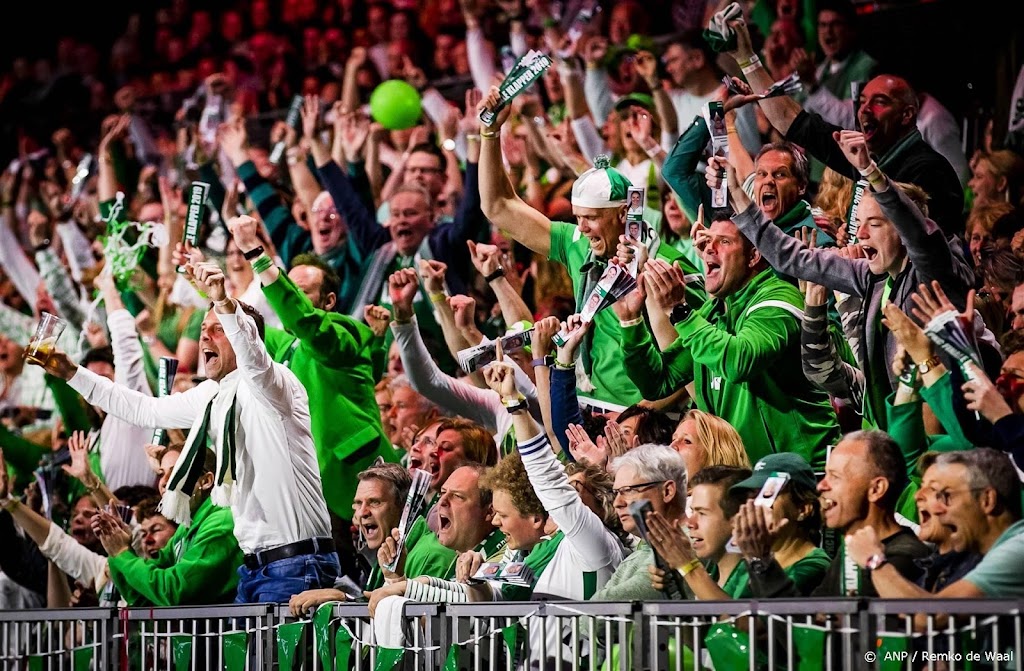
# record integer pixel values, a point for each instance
(582, 448)
(113, 533)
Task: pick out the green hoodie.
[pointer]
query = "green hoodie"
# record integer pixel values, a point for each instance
(199, 565)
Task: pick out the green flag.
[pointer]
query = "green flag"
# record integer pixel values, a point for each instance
(809, 644)
(387, 658)
(321, 625)
(510, 634)
(288, 636)
(451, 662)
(342, 649)
(181, 649)
(729, 648)
(81, 658)
(37, 663)
(234, 647)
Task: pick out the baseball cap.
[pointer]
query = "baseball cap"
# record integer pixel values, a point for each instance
(800, 472)
(600, 187)
(635, 100)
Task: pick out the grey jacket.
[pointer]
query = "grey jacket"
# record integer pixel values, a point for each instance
(931, 257)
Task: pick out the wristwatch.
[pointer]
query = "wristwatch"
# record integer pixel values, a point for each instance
(876, 561)
(928, 364)
(515, 404)
(448, 145)
(759, 565)
(253, 253)
(679, 313)
(547, 361)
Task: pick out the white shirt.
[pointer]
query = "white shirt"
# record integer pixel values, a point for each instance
(278, 498)
(122, 458)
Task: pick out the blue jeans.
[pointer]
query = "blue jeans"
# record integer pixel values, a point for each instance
(278, 581)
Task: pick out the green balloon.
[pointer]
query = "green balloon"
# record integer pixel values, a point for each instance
(395, 104)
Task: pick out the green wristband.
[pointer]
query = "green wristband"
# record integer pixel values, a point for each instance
(261, 263)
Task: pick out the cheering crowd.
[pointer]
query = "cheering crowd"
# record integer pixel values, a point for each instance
(665, 325)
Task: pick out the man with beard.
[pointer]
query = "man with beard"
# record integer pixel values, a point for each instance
(741, 349)
(331, 355)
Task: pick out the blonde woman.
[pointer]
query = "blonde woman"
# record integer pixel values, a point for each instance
(705, 440)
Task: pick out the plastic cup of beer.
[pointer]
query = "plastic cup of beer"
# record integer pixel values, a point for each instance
(44, 342)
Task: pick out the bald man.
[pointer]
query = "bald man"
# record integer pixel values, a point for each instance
(887, 113)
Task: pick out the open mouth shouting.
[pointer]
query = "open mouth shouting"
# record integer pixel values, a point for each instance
(869, 128)
(770, 202)
(444, 523)
(210, 357)
(371, 532)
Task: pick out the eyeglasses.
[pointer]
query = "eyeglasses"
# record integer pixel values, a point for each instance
(332, 213)
(636, 489)
(945, 496)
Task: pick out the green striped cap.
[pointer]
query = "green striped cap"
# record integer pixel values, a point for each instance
(600, 187)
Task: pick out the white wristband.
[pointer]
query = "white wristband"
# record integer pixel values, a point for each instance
(868, 170)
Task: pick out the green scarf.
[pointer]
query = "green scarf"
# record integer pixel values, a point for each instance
(796, 214)
(898, 150)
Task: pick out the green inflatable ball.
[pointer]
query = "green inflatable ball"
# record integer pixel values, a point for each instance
(395, 104)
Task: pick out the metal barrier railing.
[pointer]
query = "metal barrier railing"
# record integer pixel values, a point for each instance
(804, 634)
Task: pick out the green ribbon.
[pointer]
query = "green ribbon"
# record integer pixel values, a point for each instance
(181, 649)
(342, 649)
(387, 658)
(234, 647)
(37, 663)
(321, 633)
(288, 636)
(81, 658)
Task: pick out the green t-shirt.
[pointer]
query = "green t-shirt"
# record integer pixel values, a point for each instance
(999, 575)
(608, 374)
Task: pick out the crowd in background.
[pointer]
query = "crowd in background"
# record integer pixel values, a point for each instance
(826, 288)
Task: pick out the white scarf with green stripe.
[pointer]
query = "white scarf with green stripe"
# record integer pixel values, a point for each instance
(175, 503)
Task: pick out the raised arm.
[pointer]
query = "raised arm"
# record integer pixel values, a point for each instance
(289, 239)
(785, 253)
(926, 244)
(499, 201)
(585, 532)
(822, 365)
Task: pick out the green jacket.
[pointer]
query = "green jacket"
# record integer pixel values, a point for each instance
(743, 354)
(330, 353)
(611, 385)
(198, 566)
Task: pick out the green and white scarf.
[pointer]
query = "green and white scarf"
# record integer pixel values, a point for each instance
(175, 503)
